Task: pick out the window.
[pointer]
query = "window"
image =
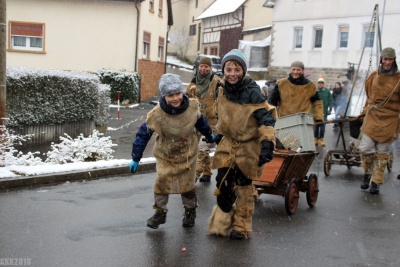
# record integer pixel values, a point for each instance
(205, 51)
(160, 7)
(160, 49)
(343, 36)
(369, 35)
(146, 45)
(26, 36)
(151, 5)
(298, 37)
(192, 30)
(214, 50)
(318, 32)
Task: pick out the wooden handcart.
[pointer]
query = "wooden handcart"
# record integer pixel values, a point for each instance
(286, 175)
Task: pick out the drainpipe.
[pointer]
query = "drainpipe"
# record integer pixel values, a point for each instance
(166, 51)
(3, 76)
(137, 44)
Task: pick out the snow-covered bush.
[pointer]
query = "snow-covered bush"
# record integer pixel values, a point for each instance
(40, 96)
(9, 155)
(126, 82)
(92, 148)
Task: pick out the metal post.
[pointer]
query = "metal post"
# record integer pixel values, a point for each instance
(118, 97)
(3, 77)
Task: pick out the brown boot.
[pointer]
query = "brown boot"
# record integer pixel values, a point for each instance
(316, 141)
(321, 142)
(378, 172)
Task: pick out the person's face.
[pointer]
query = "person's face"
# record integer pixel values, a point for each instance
(296, 72)
(337, 85)
(233, 72)
(174, 100)
(321, 85)
(387, 63)
(204, 69)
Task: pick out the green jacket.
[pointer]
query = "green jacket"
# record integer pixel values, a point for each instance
(326, 98)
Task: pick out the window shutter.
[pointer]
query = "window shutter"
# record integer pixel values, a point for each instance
(26, 29)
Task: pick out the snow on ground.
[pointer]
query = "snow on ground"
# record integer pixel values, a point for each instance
(174, 61)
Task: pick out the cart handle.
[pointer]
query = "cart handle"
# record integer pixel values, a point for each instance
(360, 117)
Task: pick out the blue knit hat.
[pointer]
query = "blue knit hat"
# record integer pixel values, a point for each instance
(236, 55)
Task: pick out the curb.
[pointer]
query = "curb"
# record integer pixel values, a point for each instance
(52, 179)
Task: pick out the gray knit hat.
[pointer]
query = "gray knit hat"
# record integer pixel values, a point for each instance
(297, 64)
(235, 55)
(170, 84)
(388, 52)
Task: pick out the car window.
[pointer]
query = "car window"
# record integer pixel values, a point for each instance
(216, 60)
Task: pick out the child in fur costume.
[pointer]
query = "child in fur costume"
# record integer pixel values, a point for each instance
(246, 142)
(176, 119)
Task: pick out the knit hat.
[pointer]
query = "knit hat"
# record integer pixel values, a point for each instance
(170, 84)
(235, 55)
(321, 80)
(205, 60)
(388, 52)
(297, 64)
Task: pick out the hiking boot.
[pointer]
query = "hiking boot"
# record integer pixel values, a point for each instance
(158, 218)
(205, 178)
(316, 141)
(365, 183)
(374, 188)
(189, 217)
(236, 235)
(321, 142)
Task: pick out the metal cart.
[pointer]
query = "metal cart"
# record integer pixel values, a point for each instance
(286, 175)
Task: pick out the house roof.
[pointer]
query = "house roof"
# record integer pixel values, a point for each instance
(220, 7)
(257, 29)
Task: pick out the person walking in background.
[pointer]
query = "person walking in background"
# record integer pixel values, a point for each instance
(246, 141)
(336, 92)
(327, 100)
(176, 119)
(203, 87)
(296, 94)
(381, 122)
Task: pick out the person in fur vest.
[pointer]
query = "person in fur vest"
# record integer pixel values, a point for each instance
(297, 94)
(203, 87)
(381, 111)
(176, 119)
(246, 142)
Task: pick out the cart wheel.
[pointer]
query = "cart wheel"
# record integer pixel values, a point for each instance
(327, 163)
(312, 190)
(291, 196)
(390, 163)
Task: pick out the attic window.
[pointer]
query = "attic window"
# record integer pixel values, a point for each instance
(26, 36)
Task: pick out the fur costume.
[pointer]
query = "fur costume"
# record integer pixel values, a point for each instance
(175, 148)
(386, 117)
(296, 99)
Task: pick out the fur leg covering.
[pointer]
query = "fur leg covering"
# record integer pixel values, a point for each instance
(219, 222)
(378, 172)
(243, 216)
(367, 161)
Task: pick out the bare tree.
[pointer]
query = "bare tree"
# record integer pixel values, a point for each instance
(181, 40)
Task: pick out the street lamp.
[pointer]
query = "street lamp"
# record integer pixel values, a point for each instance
(269, 3)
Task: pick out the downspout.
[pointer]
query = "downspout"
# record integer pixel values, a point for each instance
(166, 50)
(137, 44)
(169, 23)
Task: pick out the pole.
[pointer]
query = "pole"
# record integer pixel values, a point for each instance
(118, 97)
(3, 77)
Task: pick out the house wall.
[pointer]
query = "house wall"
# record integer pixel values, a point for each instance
(79, 35)
(255, 15)
(329, 14)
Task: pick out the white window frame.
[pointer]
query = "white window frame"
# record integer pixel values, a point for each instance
(26, 39)
(344, 28)
(315, 29)
(146, 50)
(366, 29)
(296, 37)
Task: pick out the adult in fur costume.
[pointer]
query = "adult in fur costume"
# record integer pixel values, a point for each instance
(203, 87)
(176, 119)
(246, 142)
(381, 111)
(297, 94)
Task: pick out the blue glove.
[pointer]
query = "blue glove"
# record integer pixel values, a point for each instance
(210, 139)
(133, 165)
(267, 152)
(218, 138)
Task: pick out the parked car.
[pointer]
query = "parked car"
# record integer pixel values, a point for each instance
(215, 64)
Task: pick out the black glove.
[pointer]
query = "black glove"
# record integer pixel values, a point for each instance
(267, 152)
(218, 138)
(318, 122)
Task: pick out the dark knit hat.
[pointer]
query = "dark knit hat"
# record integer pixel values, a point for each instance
(170, 84)
(297, 64)
(205, 60)
(235, 55)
